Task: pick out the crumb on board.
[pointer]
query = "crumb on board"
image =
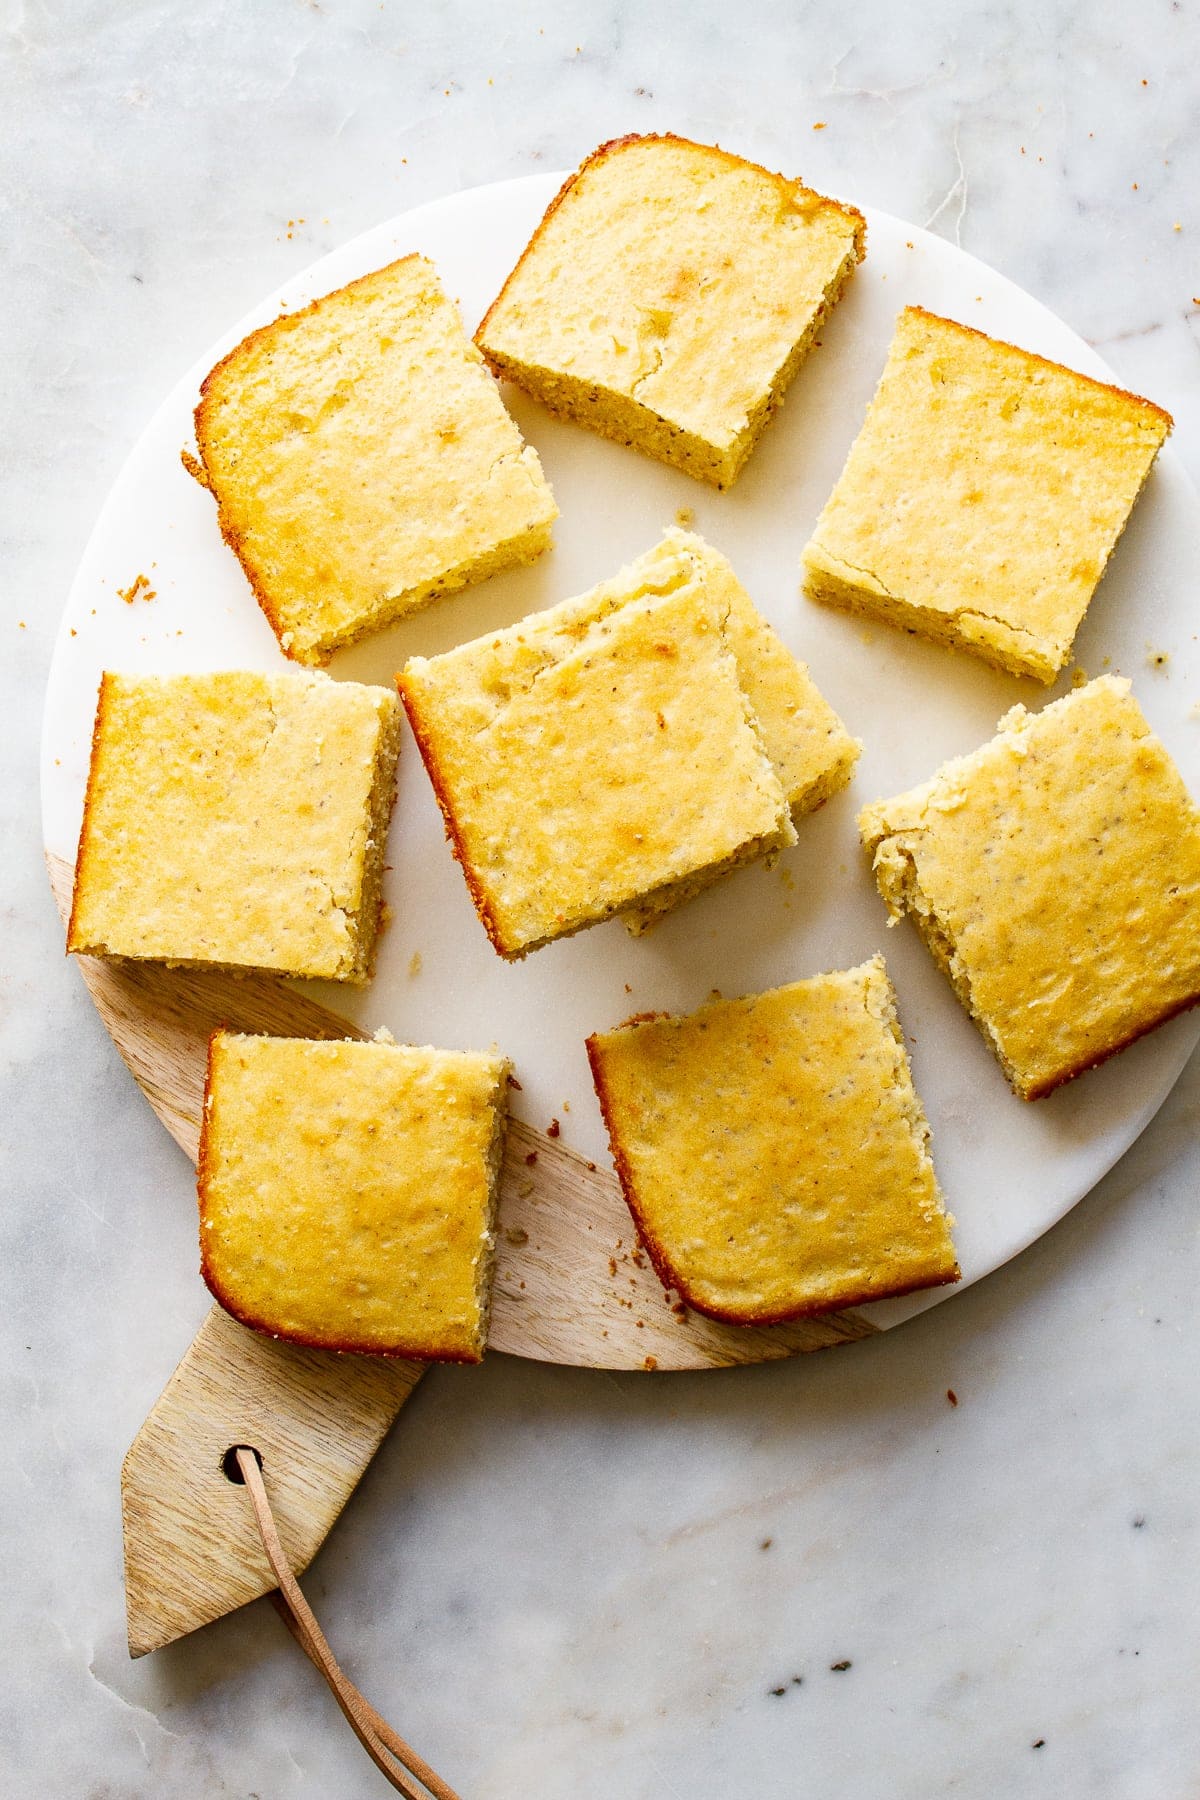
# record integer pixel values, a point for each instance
(515, 1234)
(138, 589)
(524, 1189)
(514, 1083)
(1157, 659)
(685, 516)
(1079, 677)
(553, 1129)
(650, 1362)
(414, 963)
(531, 1158)
(951, 1396)
(194, 467)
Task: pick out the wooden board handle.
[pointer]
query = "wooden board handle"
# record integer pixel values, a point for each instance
(192, 1552)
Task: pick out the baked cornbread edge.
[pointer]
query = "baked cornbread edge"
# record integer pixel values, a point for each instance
(365, 917)
(915, 1113)
(487, 1261)
(382, 799)
(1046, 362)
(74, 947)
(437, 782)
(515, 552)
(832, 582)
(566, 397)
(905, 898)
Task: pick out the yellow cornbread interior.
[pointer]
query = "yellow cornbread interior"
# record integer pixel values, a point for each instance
(983, 496)
(347, 1192)
(237, 819)
(1055, 875)
(773, 1150)
(594, 753)
(669, 296)
(363, 462)
(812, 752)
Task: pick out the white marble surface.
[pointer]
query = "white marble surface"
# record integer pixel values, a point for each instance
(556, 1582)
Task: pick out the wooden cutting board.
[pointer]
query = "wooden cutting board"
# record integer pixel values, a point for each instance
(572, 1286)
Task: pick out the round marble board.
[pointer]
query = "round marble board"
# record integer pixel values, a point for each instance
(571, 1285)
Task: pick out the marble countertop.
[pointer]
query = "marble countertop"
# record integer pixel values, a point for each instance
(957, 1560)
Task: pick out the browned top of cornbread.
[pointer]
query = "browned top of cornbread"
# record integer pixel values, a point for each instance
(346, 1192)
(235, 818)
(676, 273)
(593, 753)
(1056, 874)
(362, 459)
(773, 1151)
(811, 749)
(986, 489)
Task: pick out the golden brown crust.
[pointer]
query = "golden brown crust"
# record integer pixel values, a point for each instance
(612, 148)
(232, 536)
(660, 1258)
(1045, 362)
(89, 792)
(338, 1346)
(429, 758)
(1043, 1089)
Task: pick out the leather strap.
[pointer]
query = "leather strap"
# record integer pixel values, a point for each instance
(408, 1773)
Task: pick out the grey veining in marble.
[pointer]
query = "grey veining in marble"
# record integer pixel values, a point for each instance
(806, 1579)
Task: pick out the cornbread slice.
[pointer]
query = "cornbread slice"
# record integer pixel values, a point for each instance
(1055, 876)
(363, 463)
(238, 820)
(773, 1151)
(812, 752)
(669, 296)
(348, 1192)
(983, 496)
(595, 754)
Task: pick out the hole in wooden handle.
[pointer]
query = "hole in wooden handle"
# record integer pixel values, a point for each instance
(230, 1467)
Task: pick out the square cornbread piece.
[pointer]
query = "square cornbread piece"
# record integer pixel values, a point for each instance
(983, 496)
(238, 820)
(773, 1151)
(812, 752)
(1055, 876)
(595, 755)
(363, 462)
(669, 296)
(348, 1192)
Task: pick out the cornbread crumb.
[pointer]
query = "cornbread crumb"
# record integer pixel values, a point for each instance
(236, 820)
(138, 589)
(773, 1151)
(668, 297)
(348, 1192)
(363, 463)
(1055, 877)
(983, 497)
